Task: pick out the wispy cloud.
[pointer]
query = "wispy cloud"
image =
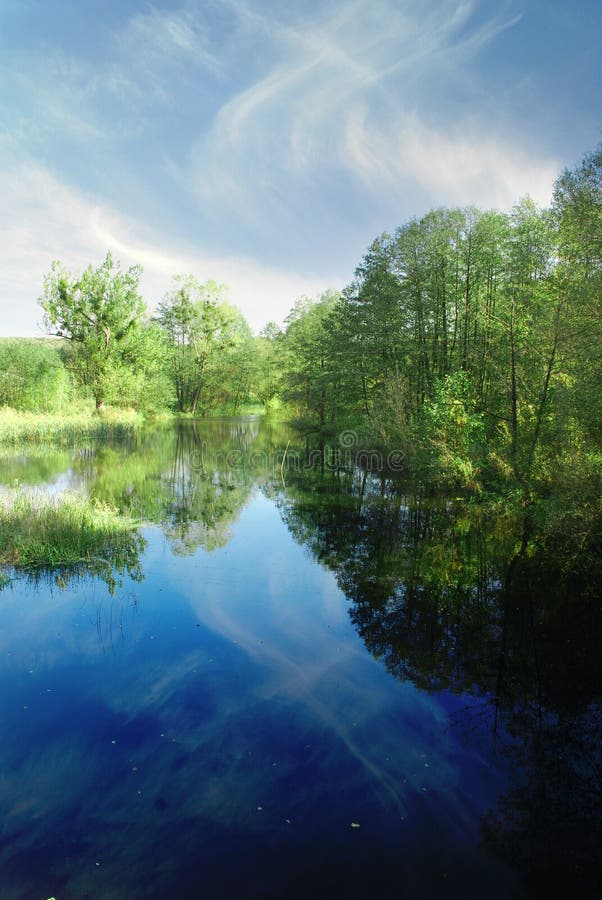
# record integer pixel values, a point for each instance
(459, 167)
(42, 219)
(306, 116)
(159, 38)
(254, 140)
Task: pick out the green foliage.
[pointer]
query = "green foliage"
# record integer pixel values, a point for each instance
(234, 366)
(451, 432)
(18, 428)
(209, 345)
(33, 376)
(391, 419)
(311, 359)
(99, 314)
(578, 210)
(140, 380)
(65, 531)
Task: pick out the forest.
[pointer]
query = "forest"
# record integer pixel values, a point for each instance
(468, 342)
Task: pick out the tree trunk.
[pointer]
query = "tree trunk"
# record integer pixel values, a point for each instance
(195, 400)
(544, 391)
(513, 394)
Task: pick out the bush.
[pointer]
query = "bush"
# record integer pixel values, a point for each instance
(452, 432)
(33, 377)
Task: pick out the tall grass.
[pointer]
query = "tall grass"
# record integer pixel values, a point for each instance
(37, 529)
(19, 428)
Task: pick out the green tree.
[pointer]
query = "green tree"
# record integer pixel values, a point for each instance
(522, 341)
(371, 329)
(312, 367)
(99, 314)
(199, 327)
(235, 365)
(578, 210)
(267, 379)
(140, 379)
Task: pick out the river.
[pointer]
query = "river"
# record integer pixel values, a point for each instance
(304, 678)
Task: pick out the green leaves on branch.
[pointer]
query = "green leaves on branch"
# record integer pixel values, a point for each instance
(208, 344)
(99, 314)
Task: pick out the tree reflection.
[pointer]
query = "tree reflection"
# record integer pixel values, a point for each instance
(203, 495)
(549, 656)
(117, 559)
(215, 465)
(180, 478)
(191, 479)
(458, 596)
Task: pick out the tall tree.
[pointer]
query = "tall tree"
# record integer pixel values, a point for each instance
(98, 313)
(578, 209)
(312, 374)
(199, 328)
(267, 376)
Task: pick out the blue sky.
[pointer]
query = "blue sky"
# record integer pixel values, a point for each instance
(265, 144)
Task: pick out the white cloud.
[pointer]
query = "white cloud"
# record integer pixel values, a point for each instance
(306, 116)
(290, 135)
(42, 219)
(157, 36)
(457, 168)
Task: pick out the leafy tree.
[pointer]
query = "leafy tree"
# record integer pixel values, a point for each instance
(268, 365)
(99, 314)
(578, 210)
(140, 380)
(371, 328)
(235, 365)
(313, 378)
(452, 432)
(522, 340)
(199, 328)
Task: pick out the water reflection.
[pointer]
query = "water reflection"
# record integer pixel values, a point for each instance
(450, 596)
(120, 560)
(429, 680)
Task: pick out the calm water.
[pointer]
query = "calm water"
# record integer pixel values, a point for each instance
(302, 681)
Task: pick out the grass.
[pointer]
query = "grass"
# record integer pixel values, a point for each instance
(19, 428)
(69, 529)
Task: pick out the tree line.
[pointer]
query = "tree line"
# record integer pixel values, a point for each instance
(192, 354)
(469, 339)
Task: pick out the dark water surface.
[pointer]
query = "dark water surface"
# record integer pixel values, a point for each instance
(305, 682)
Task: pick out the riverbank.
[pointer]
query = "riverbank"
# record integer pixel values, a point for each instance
(18, 428)
(82, 423)
(64, 530)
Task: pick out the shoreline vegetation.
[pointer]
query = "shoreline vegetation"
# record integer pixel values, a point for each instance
(65, 533)
(467, 344)
(19, 427)
(37, 529)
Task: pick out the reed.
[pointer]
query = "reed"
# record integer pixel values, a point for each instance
(22, 428)
(42, 530)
